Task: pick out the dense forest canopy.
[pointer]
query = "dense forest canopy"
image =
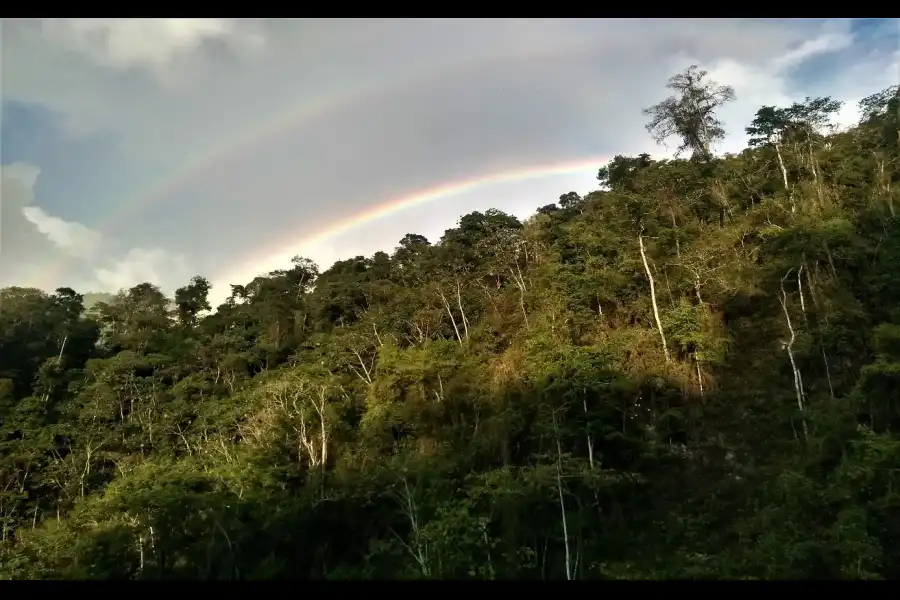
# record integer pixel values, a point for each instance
(693, 372)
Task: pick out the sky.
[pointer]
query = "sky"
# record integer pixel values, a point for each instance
(137, 150)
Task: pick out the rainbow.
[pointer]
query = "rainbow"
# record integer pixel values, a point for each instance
(196, 166)
(308, 111)
(287, 249)
(296, 116)
(288, 120)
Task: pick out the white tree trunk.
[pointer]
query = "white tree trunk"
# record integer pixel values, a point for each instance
(659, 326)
(418, 549)
(562, 503)
(800, 291)
(784, 176)
(366, 374)
(798, 380)
(699, 375)
(520, 284)
(590, 442)
(827, 372)
(452, 320)
(462, 312)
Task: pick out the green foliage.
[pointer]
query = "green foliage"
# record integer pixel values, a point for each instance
(509, 402)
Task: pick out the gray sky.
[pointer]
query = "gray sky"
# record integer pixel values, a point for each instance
(157, 149)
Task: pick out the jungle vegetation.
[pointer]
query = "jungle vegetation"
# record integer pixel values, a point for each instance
(692, 372)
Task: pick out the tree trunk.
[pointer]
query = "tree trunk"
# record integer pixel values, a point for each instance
(798, 381)
(784, 176)
(452, 319)
(659, 326)
(590, 442)
(461, 311)
(562, 503)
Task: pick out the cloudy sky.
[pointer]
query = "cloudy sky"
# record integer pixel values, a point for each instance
(158, 149)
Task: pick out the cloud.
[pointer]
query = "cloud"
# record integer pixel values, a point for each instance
(154, 45)
(126, 43)
(139, 265)
(20, 247)
(834, 36)
(253, 135)
(30, 236)
(73, 238)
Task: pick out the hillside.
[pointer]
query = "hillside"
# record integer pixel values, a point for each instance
(691, 373)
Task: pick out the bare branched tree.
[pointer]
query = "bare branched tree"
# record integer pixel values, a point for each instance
(690, 114)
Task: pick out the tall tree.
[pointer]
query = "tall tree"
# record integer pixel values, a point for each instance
(691, 113)
(191, 299)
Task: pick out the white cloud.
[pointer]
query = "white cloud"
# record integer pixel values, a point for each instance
(140, 265)
(835, 36)
(152, 44)
(20, 248)
(31, 236)
(73, 238)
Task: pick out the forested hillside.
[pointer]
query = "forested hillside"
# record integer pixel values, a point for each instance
(693, 372)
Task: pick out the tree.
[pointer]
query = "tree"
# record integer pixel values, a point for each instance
(569, 200)
(191, 299)
(811, 118)
(621, 172)
(690, 114)
(882, 111)
(548, 209)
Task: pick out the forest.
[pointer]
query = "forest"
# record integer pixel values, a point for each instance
(691, 373)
